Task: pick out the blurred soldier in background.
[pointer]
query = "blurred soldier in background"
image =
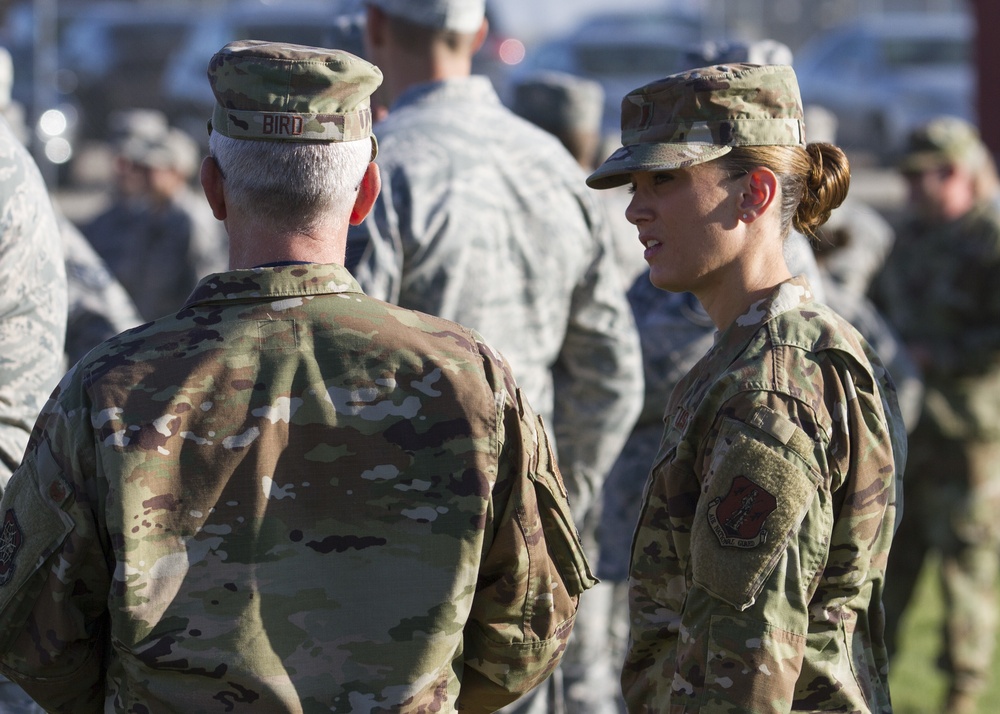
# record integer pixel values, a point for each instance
(941, 289)
(123, 220)
(158, 237)
(571, 108)
(486, 219)
(851, 248)
(98, 305)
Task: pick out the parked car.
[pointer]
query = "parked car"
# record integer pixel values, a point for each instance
(882, 76)
(621, 50)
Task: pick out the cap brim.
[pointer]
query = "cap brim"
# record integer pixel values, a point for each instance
(917, 161)
(615, 171)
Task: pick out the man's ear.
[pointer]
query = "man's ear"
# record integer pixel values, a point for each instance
(212, 182)
(481, 34)
(760, 188)
(371, 184)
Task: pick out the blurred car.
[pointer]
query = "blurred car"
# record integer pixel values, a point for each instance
(112, 54)
(185, 88)
(620, 50)
(882, 76)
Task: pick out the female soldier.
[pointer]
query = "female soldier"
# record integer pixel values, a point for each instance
(758, 562)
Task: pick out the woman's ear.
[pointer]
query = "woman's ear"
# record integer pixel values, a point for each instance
(760, 188)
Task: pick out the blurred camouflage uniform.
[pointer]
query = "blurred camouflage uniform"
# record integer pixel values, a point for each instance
(32, 317)
(99, 307)
(485, 219)
(758, 561)
(174, 240)
(220, 510)
(32, 298)
(941, 290)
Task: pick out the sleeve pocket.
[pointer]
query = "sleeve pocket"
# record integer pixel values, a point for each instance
(754, 502)
(560, 533)
(33, 527)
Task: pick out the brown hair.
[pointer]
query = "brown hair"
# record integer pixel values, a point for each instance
(814, 180)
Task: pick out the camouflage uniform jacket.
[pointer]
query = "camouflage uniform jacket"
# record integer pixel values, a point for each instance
(32, 298)
(758, 562)
(288, 497)
(941, 290)
(486, 219)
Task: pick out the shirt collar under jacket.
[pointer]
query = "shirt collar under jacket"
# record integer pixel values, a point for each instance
(731, 342)
(474, 89)
(279, 282)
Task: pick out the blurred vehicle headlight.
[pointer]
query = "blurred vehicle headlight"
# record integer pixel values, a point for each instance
(53, 123)
(58, 150)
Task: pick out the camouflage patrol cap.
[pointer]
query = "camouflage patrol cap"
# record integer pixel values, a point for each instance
(944, 141)
(696, 116)
(464, 16)
(174, 149)
(558, 101)
(273, 91)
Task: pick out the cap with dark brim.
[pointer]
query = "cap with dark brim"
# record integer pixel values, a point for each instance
(271, 91)
(697, 116)
(618, 168)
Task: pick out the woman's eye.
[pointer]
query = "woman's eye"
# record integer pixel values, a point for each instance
(662, 178)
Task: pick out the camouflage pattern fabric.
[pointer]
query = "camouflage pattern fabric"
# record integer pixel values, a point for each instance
(699, 115)
(940, 290)
(286, 92)
(758, 563)
(288, 497)
(484, 219)
(32, 298)
(99, 307)
(164, 252)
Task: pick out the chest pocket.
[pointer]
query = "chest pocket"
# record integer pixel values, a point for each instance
(760, 486)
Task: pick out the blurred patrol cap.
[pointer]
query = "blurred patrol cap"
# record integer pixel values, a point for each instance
(733, 51)
(943, 141)
(465, 16)
(696, 116)
(559, 102)
(173, 149)
(128, 124)
(276, 91)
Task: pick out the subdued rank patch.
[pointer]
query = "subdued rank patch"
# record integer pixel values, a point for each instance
(10, 542)
(738, 517)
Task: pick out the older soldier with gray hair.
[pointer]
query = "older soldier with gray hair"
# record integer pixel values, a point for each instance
(288, 496)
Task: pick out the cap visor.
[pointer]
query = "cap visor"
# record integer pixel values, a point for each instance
(615, 171)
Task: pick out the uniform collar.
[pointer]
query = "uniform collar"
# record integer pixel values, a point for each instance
(277, 281)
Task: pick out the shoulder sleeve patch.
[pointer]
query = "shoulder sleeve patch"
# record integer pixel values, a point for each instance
(752, 506)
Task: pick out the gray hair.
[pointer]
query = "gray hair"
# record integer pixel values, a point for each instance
(291, 184)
